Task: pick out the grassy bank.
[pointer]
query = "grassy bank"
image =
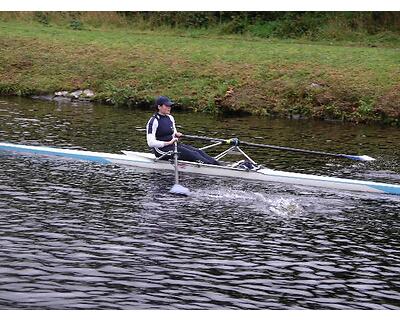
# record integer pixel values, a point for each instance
(365, 28)
(203, 73)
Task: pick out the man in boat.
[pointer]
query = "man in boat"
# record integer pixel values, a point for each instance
(162, 134)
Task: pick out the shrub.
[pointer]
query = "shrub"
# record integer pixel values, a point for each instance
(294, 25)
(263, 29)
(76, 24)
(42, 17)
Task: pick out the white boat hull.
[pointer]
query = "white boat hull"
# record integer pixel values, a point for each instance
(148, 160)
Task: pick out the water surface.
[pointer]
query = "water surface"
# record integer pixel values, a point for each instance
(80, 235)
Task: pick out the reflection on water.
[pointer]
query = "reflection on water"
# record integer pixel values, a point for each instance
(78, 235)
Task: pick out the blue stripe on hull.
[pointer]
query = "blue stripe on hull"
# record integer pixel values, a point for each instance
(387, 189)
(56, 153)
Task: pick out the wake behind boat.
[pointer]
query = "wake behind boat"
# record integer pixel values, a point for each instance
(244, 169)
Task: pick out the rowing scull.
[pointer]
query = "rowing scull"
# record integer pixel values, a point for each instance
(259, 173)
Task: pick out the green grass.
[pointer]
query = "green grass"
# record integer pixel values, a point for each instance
(203, 73)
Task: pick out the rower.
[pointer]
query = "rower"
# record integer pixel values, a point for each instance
(162, 134)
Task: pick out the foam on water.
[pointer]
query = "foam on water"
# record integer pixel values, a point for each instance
(279, 205)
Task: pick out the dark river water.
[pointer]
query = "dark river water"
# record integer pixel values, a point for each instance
(80, 235)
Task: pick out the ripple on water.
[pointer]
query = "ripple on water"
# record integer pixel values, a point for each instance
(76, 235)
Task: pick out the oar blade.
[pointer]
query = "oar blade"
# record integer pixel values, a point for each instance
(358, 158)
(180, 190)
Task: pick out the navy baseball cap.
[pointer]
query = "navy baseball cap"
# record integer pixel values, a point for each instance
(163, 100)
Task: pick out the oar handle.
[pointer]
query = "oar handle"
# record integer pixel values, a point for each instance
(232, 141)
(203, 138)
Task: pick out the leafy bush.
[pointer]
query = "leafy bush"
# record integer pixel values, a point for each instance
(263, 29)
(121, 95)
(237, 25)
(76, 24)
(42, 17)
(294, 25)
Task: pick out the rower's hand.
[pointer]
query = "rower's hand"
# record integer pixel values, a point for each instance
(171, 142)
(178, 134)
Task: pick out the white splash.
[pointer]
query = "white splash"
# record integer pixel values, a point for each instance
(278, 205)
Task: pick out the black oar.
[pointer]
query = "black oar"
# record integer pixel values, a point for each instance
(235, 141)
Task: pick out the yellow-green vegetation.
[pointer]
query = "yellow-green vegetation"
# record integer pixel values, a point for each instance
(211, 73)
